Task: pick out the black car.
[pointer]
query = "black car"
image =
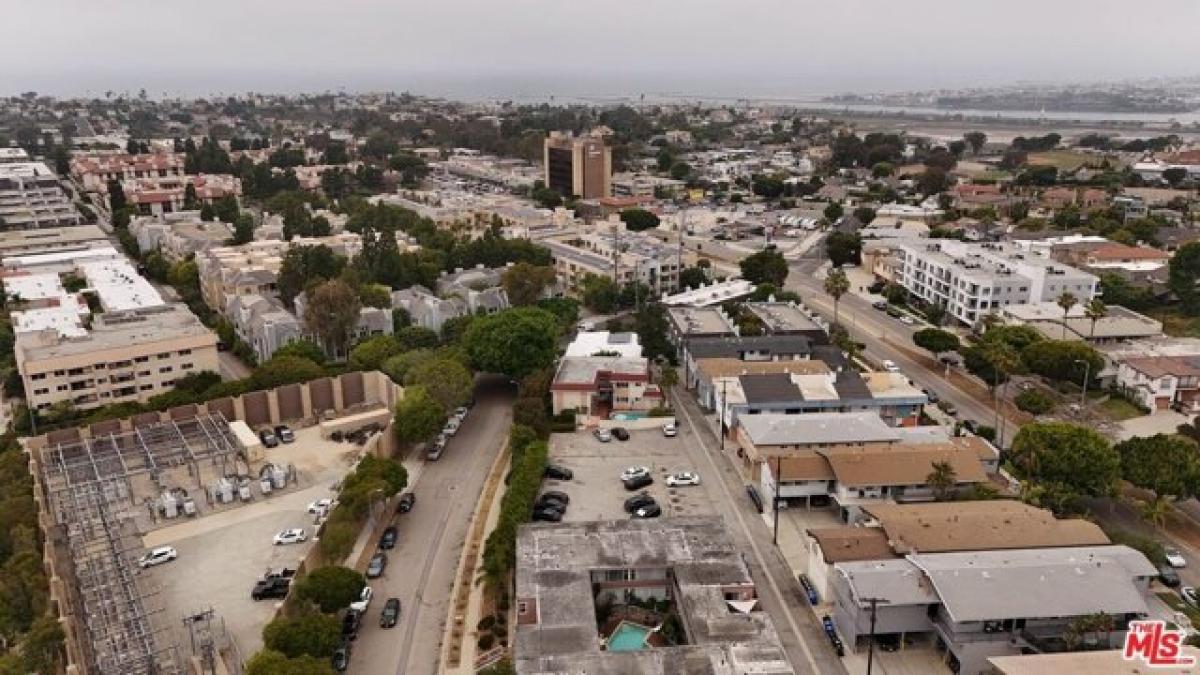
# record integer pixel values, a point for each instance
(390, 614)
(558, 472)
(341, 658)
(931, 395)
(651, 510)
(638, 501)
(271, 587)
(620, 433)
(550, 505)
(1168, 576)
(752, 492)
(547, 515)
(555, 495)
(638, 482)
(268, 439)
(284, 434)
(406, 502)
(387, 541)
(350, 624)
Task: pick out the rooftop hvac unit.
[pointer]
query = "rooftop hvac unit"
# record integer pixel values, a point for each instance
(264, 484)
(244, 490)
(168, 505)
(278, 477)
(222, 491)
(189, 507)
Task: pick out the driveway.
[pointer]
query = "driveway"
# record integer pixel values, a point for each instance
(1161, 422)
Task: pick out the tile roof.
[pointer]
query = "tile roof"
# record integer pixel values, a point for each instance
(901, 464)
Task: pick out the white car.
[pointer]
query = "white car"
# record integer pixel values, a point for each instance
(1188, 593)
(906, 320)
(158, 556)
(603, 435)
(293, 536)
(634, 472)
(1174, 557)
(364, 600)
(452, 426)
(320, 506)
(682, 479)
(890, 366)
(670, 429)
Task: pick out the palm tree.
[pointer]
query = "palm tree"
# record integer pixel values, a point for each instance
(1095, 309)
(1004, 361)
(1156, 511)
(836, 285)
(942, 479)
(1067, 300)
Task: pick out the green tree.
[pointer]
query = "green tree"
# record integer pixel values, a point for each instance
(865, 214)
(270, 662)
(692, 277)
(936, 340)
(836, 285)
(447, 381)
(1185, 275)
(190, 200)
(768, 187)
(330, 588)
(419, 416)
(1094, 310)
(416, 337)
(546, 198)
(316, 635)
(304, 265)
(975, 139)
(942, 480)
(599, 294)
(1174, 175)
(525, 283)
(1035, 402)
(1062, 360)
(681, 170)
(1075, 460)
(1066, 301)
(1169, 466)
(372, 352)
(116, 196)
(397, 367)
(834, 212)
(843, 248)
(281, 370)
(637, 220)
(332, 312)
(514, 342)
(766, 266)
(243, 229)
(304, 349)
(375, 295)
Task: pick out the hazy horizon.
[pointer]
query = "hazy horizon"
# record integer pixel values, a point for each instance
(533, 49)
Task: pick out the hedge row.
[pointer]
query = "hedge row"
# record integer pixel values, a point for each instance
(529, 464)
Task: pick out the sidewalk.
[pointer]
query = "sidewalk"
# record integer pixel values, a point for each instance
(364, 546)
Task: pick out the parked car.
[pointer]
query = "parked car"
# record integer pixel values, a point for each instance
(602, 435)
(461, 413)
(284, 434)
(350, 624)
(556, 496)
(341, 657)
(546, 515)
(558, 472)
(670, 429)
(268, 439)
(890, 366)
(274, 587)
(931, 395)
(319, 506)
(406, 502)
(638, 501)
(387, 540)
(158, 556)
(1188, 593)
(1168, 576)
(682, 479)
(907, 320)
(551, 505)
(364, 600)
(752, 492)
(376, 566)
(620, 433)
(390, 614)
(813, 598)
(652, 510)
(434, 453)
(295, 535)
(947, 407)
(1174, 557)
(880, 305)
(638, 482)
(633, 471)
(452, 426)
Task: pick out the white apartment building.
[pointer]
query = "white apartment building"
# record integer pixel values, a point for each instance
(32, 198)
(971, 280)
(622, 256)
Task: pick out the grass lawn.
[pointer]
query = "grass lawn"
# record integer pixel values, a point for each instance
(1119, 409)
(1181, 326)
(1063, 160)
(1177, 604)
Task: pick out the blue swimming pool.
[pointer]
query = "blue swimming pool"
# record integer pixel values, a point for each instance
(627, 416)
(628, 637)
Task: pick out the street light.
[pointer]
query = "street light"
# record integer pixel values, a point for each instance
(1087, 370)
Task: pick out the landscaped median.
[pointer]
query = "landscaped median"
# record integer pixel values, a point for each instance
(529, 455)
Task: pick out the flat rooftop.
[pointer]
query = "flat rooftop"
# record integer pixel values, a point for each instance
(585, 370)
(817, 428)
(726, 367)
(690, 321)
(113, 330)
(51, 237)
(1103, 662)
(119, 286)
(782, 317)
(710, 294)
(555, 563)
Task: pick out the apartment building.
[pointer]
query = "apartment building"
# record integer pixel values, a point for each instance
(178, 235)
(94, 171)
(162, 195)
(972, 280)
(251, 268)
(646, 185)
(11, 155)
(31, 197)
(77, 238)
(624, 258)
(579, 166)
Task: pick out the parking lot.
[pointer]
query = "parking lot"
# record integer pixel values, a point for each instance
(596, 491)
(223, 554)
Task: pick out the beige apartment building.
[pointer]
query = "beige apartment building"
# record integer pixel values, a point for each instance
(577, 165)
(126, 356)
(94, 171)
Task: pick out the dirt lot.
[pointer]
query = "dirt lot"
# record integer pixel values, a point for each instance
(221, 555)
(596, 491)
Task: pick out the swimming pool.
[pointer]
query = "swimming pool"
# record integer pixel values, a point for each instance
(627, 416)
(628, 637)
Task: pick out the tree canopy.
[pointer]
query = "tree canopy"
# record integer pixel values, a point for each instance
(1184, 276)
(419, 416)
(1167, 465)
(766, 266)
(936, 340)
(331, 588)
(637, 220)
(1070, 459)
(514, 342)
(447, 381)
(843, 248)
(271, 662)
(316, 635)
(524, 283)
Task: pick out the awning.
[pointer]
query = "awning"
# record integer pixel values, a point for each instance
(743, 606)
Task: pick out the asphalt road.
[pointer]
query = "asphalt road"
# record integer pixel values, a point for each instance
(422, 567)
(799, 630)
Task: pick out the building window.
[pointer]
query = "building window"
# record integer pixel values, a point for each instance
(522, 607)
(186, 366)
(184, 352)
(165, 369)
(38, 376)
(141, 359)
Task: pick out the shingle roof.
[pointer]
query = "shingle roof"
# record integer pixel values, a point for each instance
(901, 464)
(734, 347)
(770, 388)
(845, 544)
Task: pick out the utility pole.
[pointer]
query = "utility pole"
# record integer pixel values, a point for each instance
(721, 411)
(871, 644)
(778, 484)
(1087, 371)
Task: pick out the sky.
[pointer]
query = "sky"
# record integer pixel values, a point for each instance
(591, 50)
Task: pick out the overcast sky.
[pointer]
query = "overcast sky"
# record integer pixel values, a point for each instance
(534, 48)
